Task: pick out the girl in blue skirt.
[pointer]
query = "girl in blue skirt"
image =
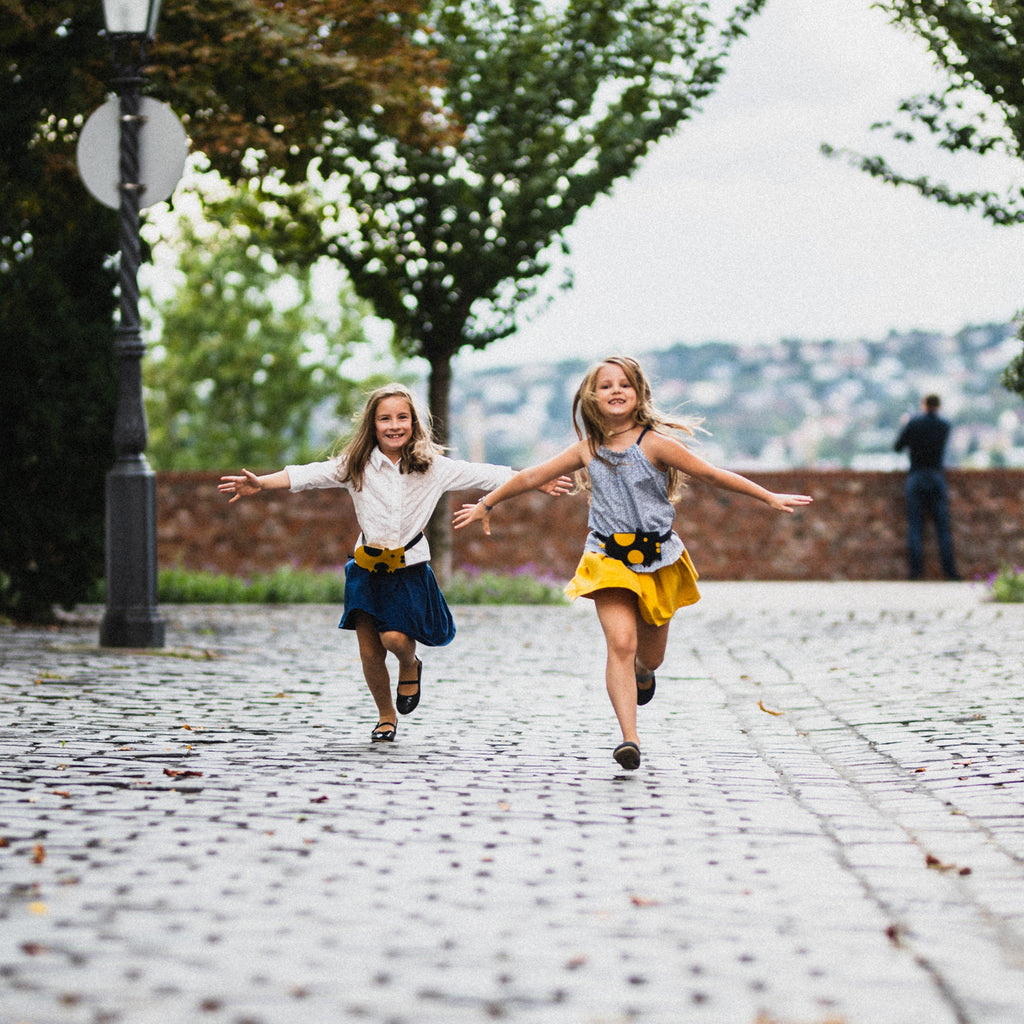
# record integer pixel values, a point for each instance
(634, 566)
(396, 475)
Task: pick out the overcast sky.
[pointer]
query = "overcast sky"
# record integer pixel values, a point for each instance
(738, 229)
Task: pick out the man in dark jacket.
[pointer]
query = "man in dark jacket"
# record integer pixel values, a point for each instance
(925, 436)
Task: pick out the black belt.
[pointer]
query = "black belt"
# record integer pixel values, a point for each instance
(636, 548)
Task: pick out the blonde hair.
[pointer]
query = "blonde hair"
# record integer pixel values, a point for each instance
(588, 424)
(417, 454)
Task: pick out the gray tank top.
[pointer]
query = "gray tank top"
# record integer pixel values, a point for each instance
(629, 494)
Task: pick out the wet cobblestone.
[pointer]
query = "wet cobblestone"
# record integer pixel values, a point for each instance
(828, 825)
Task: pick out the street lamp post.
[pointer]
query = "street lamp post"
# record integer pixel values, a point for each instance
(132, 618)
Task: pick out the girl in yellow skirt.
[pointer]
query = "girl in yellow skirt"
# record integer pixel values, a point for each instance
(634, 566)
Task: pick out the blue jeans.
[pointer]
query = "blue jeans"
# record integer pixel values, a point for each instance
(927, 495)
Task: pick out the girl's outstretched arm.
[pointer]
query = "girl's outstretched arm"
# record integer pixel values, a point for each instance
(250, 483)
(536, 477)
(668, 451)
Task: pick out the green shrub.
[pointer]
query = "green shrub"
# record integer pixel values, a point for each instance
(1007, 585)
(285, 585)
(468, 586)
(288, 585)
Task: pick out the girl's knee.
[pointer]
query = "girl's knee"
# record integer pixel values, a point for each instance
(370, 647)
(395, 642)
(650, 661)
(621, 646)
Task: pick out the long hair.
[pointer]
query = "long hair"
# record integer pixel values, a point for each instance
(417, 454)
(588, 424)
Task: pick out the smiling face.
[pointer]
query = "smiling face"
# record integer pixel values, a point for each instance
(615, 394)
(393, 423)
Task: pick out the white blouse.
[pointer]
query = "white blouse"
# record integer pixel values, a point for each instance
(393, 507)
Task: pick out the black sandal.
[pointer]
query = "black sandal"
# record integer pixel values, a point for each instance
(407, 704)
(644, 695)
(628, 755)
(384, 732)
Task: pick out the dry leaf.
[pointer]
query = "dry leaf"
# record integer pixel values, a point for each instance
(180, 773)
(38, 853)
(768, 711)
(937, 865)
(639, 901)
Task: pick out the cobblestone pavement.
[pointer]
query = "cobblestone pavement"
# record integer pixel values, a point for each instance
(827, 826)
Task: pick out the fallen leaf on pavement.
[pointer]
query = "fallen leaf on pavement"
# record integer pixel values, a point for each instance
(639, 901)
(937, 865)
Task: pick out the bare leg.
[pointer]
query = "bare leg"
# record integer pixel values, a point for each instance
(650, 649)
(617, 612)
(404, 649)
(372, 653)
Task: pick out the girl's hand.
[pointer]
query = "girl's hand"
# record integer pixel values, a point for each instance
(788, 502)
(557, 487)
(470, 514)
(240, 486)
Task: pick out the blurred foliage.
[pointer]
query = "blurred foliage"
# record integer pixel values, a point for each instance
(256, 83)
(288, 585)
(247, 370)
(1007, 585)
(979, 48)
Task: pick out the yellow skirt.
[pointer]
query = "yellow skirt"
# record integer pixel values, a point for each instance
(659, 594)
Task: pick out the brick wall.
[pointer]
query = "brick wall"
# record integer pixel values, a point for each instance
(854, 530)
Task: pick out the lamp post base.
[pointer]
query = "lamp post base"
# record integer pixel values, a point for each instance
(132, 627)
(132, 618)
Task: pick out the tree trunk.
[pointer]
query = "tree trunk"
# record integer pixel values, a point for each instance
(439, 529)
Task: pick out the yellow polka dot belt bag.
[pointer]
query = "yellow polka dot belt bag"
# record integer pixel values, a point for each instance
(638, 548)
(384, 559)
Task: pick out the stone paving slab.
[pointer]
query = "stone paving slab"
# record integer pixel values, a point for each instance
(828, 824)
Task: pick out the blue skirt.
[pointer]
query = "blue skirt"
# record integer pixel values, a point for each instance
(407, 601)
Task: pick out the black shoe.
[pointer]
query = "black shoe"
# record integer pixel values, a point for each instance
(384, 732)
(644, 695)
(628, 755)
(408, 704)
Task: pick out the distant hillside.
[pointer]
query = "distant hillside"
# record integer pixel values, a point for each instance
(785, 405)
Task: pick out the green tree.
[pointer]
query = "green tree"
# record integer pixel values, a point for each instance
(979, 108)
(256, 83)
(245, 362)
(57, 399)
(555, 103)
